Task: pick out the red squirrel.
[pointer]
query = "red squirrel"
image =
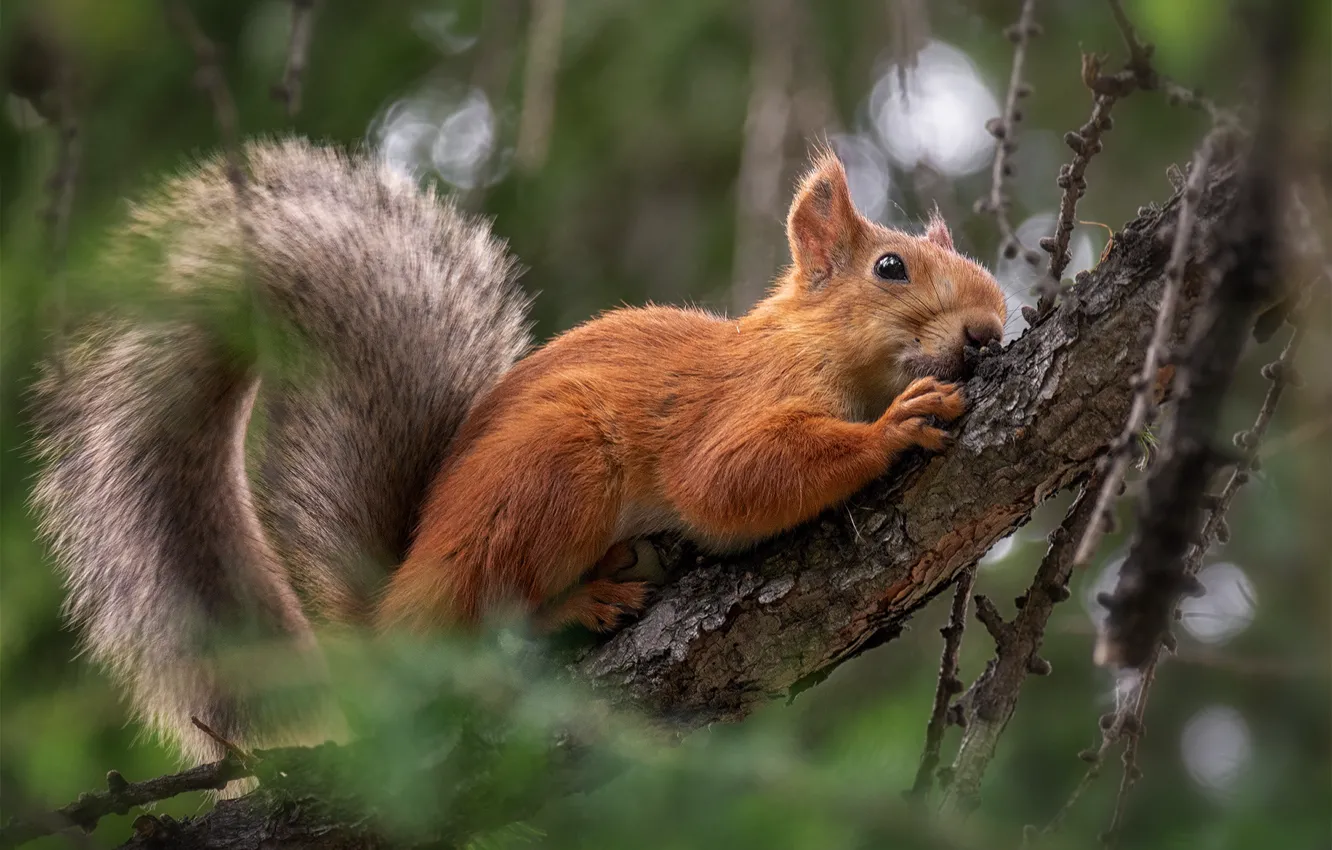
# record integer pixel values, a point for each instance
(724, 430)
(412, 471)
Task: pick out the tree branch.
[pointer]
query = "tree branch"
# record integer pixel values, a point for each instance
(544, 38)
(210, 78)
(41, 70)
(762, 161)
(993, 699)
(1154, 574)
(728, 636)
(948, 686)
(1122, 452)
(1004, 129)
(121, 796)
(298, 49)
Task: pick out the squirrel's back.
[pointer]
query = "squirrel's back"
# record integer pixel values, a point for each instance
(385, 314)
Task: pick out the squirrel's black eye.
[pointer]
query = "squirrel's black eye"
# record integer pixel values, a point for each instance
(890, 267)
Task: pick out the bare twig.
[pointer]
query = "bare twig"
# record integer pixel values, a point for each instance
(1123, 724)
(1127, 720)
(298, 50)
(1273, 666)
(232, 750)
(211, 79)
(1122, 451)
(492, 72)
(545, 31)
(1130, 727)
(63, 179)
(1004, 130)
(949, 685)
(1107, 89)
(767, 120)
(909, 32)
(1281, 374)
(41, 70)
(1140, 54)
(1154, 575)
(1161, 566)
(1085, 143)
(993, 698)
(813, 106)
(1149, 79)
(121, 796)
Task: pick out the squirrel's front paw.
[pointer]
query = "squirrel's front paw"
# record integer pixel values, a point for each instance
(912, 414)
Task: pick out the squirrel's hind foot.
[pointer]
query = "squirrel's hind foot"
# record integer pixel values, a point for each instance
(601, 605)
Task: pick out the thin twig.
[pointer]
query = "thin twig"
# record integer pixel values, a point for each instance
(211, 79)
(1162, 564)
(813, 106)
(1149, 79)
(1130, 713)
(991, 701)
(40, 70)
(949, 685)
(1130, 728)
(121, 796)
(908, 32)
(492, 71)
(1107, 89)
(232, 749)
(1140, 54)
(1085, 143)
(762, 157)
(1154, 574)
(298, 50)
(69, 151)
(1123, 724)
(1004, 130)
(545, 32)
(1121, 453)
(1280, 373)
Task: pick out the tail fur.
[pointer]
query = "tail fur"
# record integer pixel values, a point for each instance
(402, 311)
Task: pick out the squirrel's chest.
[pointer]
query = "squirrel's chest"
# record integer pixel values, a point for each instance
(638, 518)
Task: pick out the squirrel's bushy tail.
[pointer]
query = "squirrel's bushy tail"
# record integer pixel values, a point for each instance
(394, 313)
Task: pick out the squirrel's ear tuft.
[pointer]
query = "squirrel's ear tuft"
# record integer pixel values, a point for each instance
(823, 222)
(937, 231)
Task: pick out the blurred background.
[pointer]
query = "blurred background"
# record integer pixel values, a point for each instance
(634, 151)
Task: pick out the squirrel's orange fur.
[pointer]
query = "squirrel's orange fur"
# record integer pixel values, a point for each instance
(725, 430)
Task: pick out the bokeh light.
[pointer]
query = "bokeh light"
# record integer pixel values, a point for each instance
(450, 132)
(938, 118)
(867, 173)
(1225, 610)
(1216, 746)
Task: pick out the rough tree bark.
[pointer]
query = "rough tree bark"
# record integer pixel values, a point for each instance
(728, 635)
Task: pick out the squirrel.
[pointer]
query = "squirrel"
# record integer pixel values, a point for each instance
(421, 470)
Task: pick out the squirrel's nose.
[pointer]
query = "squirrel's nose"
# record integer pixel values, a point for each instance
(981, 334)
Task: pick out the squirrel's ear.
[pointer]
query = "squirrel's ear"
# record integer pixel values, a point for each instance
(823, 222)
(937, 231)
